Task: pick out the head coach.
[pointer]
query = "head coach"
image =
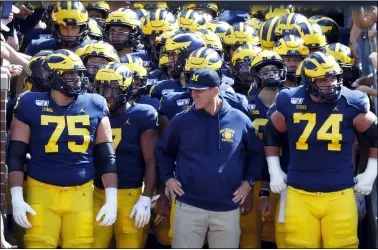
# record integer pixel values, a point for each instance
(201, 160)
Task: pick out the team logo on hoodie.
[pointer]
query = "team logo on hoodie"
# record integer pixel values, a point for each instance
(227, 134)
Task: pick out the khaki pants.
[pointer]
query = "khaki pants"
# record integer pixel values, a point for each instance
(191, 224)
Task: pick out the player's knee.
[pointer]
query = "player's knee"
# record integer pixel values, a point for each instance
(78, 243)
(40, 242)
(129, 240)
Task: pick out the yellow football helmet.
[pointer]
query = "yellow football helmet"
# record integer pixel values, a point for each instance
(160, 42)
(255, 23)
(241, 63)
(36, 74)
(267, 35)
(150, 5)
(279, 10)
(191, 20)
(258, 11)
(181, 44)
(204, 8)
(64, 61)
(98, 6)
(115, 81)
(329, 27)
(135, 64)
(70, 13)
(344, 57)
(203, 58)
(287, 22)
(312, 34)
(157, 22)
(122, 18)
(219, 28)
(95, 32)
(293, 50)
(268, 77)
(212, 40)
(319, 65)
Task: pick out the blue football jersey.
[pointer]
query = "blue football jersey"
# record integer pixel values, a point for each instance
(321, 137)
(146, 57)
(62, 139)
(149, 101)
(127, 129)
(165, 87)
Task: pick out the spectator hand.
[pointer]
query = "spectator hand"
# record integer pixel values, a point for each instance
(10, 19)
(372, 34)
(15, 70)
(24, 11)
(373, 58)
(13, 41)
(174, 187)
(241, 193)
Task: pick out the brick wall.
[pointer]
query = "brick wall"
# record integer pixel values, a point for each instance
(4, 89)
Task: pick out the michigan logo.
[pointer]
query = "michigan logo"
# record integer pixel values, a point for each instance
(227, 134)
(195, 78)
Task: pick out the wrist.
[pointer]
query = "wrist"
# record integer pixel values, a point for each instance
(111, 194)
(264, 193)
(17, 193)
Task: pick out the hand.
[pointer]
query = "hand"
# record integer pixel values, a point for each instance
(361, 206)
(265, 208)
(142, 211)
(277, 176)
(10, 19)
(20, 208)
(247, 207)
(241, 193)
(109, 210)
(174, 187)
(372, 34)
(15, 70)
(24, 11)
(162, 206)
(373, 59)
(13, 42)
(364, 184)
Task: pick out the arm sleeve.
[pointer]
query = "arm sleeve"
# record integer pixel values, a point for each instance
(167, 150)
(255, 153)
(163, 107)
(150, 121)
(281, 103)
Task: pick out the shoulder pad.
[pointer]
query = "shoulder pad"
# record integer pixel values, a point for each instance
(357, 99)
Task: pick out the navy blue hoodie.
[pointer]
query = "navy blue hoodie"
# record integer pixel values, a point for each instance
(209, 152)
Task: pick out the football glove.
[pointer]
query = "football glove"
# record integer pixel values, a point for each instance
(142, 211)
(365, 181)
(20, 208)
(277, 176)
(109, 210)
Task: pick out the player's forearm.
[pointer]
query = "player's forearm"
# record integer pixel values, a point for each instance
(150, 180)
(110, 180)
(16, 179)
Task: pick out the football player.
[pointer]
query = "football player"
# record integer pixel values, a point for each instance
(267, 33)
(293, 50)
(329, 27)
(269, 71)
(320, 116)
(96, 56)
(64, 130)
(135, 133)
(312, 35)
(140, 88)
(177, 49)
(241, 67)
(286, 23)
(122, 30)
(208, 10)
(155, 24)
(191, 20)
(99, 11)
(69, 28)
(95, 31)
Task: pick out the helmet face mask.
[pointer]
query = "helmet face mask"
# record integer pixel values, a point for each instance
(270, 76)
(71, 83)
(242, 72)
(328, 89)
(173, 68)
(292, 63)
(71, 41)
(120, 36)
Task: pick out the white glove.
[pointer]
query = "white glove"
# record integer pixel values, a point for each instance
(109, 210)
(20, 207)
(277, 176)
(364, 181)
(142, 210)
(361, 206)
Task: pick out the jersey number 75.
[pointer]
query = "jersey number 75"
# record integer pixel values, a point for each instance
(52, 147)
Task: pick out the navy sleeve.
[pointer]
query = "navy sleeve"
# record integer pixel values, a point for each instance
(254, 148)
(281, 102)
(21, 110)
(167, 150)
(163, 107)
(150, 120)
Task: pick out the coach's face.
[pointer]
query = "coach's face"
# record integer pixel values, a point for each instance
(204, 98)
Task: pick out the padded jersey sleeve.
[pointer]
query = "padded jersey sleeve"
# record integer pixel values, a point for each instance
(150, 119)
